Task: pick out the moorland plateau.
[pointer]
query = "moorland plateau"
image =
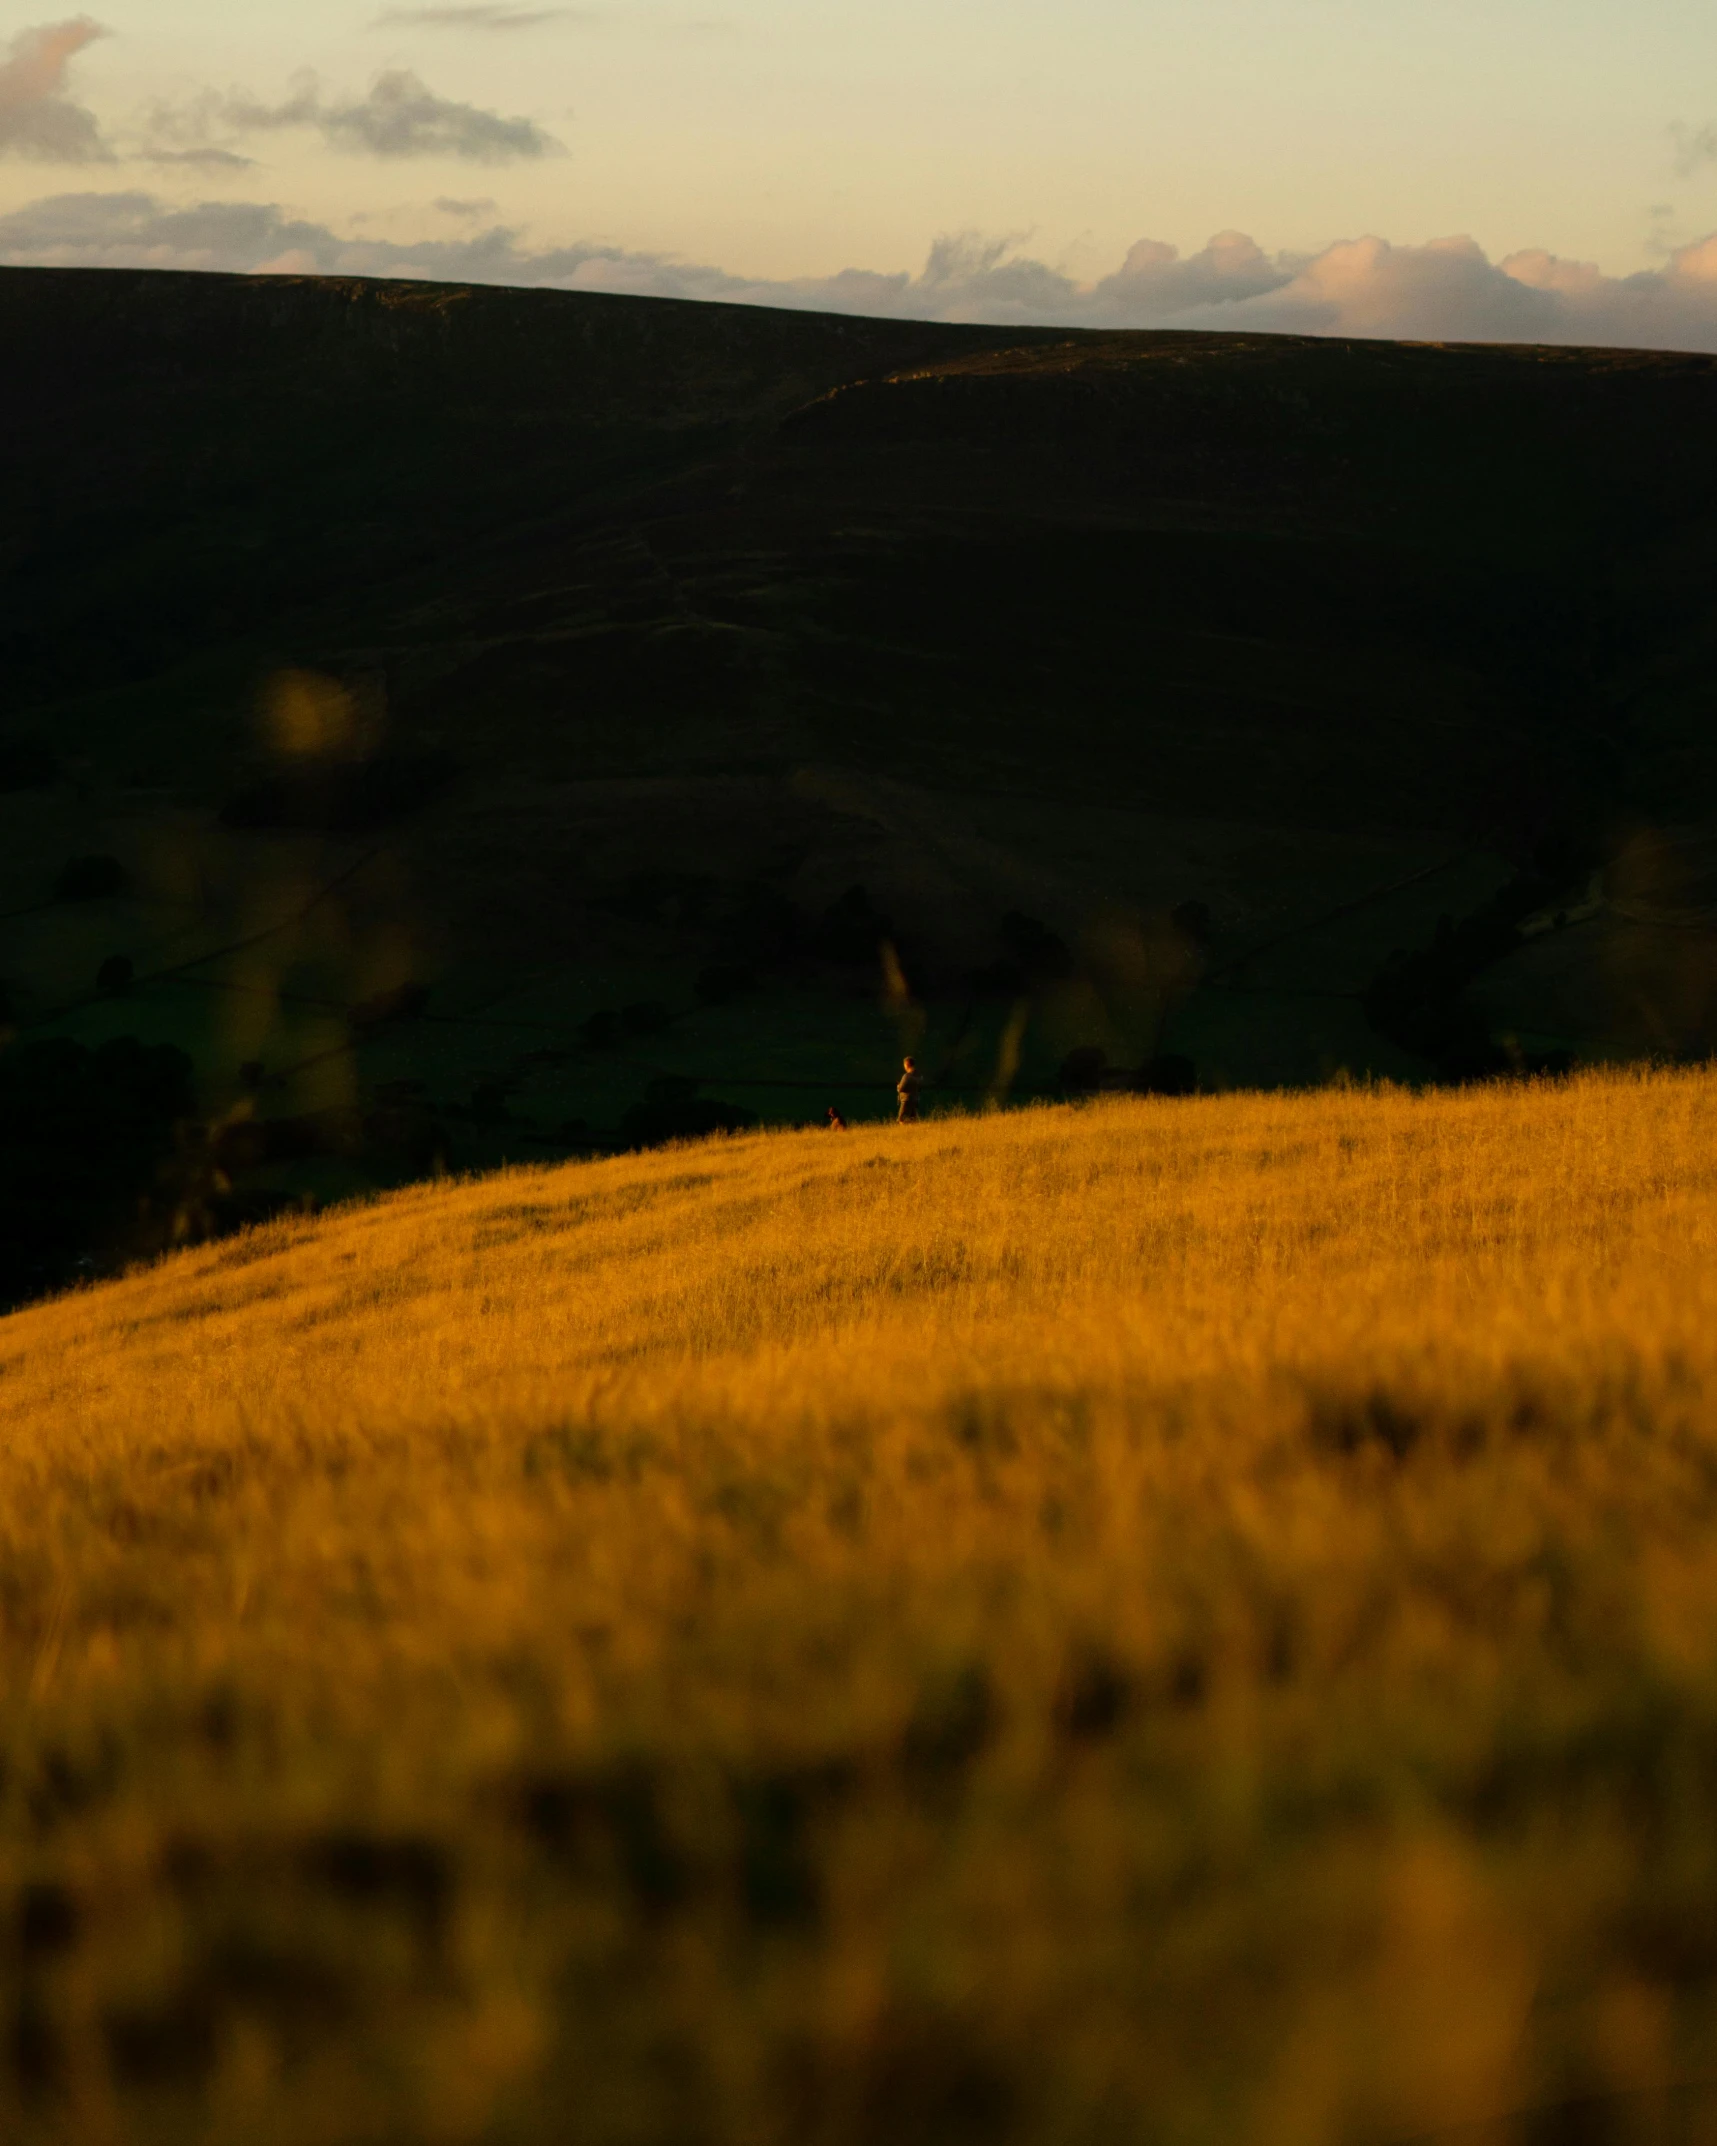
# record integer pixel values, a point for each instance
(1186, 1620)
(446, 725)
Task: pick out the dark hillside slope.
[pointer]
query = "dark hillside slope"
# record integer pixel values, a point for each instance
(521, 719)
(197, 450)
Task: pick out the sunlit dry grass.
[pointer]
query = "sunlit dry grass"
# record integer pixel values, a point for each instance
(1185, 1621)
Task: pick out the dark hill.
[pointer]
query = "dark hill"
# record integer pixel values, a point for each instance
(514, 715)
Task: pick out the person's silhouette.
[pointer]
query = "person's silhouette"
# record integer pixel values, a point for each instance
(837, 1124)
(907, 1088)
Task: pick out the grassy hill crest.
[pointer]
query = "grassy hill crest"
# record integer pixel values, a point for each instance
(1176, 1616)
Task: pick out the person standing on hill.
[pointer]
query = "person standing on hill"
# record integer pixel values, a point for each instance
(907, 1088)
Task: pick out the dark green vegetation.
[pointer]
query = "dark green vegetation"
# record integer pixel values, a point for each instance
(92, 1152)
(474, 723)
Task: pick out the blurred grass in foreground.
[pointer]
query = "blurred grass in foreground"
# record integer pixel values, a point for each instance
(1183, 1621)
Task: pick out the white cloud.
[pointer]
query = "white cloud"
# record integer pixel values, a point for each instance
(1447, 291)
(475, 18)
(199, 159)
(401, 117)
(1695, 147)
(490, 20)
(37, 118)
(134, 230)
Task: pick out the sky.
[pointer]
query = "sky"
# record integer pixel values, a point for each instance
(1492, 169)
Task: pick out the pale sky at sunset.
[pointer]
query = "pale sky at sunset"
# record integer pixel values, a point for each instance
(763, 147)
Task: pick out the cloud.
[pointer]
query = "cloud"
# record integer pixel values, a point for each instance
(474, 18)
(37, 118)
(533, 18)
(1695, 147)
(134, 230)
(401, 117)
(203, 159)
(1447, 291)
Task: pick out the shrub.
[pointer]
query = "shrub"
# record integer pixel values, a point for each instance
(91, 879)
(1082, 1069)
(672, 1109)
(724, 981)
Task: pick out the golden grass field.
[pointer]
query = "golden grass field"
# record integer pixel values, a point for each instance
(1168, 1621)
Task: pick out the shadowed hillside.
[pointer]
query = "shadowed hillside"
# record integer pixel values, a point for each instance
(1182, 1620)
(518, 722)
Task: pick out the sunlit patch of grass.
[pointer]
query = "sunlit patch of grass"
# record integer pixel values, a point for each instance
(1188, 1620)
